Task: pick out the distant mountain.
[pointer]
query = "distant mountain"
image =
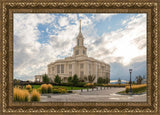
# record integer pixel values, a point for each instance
(116, 81)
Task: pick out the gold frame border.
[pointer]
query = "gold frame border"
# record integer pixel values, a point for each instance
(68, 6)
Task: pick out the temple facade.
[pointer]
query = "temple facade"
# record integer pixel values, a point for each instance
(79, 63)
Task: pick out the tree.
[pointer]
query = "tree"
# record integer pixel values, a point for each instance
(106, 81)
(45, 78)
(57, 79)
(91, 78)
(100, 80)
(119, 81)
(69, 79)
(139, 79)
(85, 78)
(75, 79)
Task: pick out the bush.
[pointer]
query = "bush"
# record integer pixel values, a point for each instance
(89, 85)
(69, 79)
(80, 84)
(136, 88)
(39, 90)
(50, 88)
(20, 95)
(113, 85)
(35, 96)
(29, 88)
(100, 80)
(44, 88)
(59, 90)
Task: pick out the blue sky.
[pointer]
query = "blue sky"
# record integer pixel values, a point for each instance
(117, 39)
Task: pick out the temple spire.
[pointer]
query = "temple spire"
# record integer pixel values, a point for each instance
(79, 25)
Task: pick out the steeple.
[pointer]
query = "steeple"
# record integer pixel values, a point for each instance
(79, 26)
(80, 36)
(80, 49)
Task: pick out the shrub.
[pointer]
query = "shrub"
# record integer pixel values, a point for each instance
(136, 88)
(100, 80)
(80, 84)
(55, 91)
(50, 88)
(113, 85)
(59, 90)
(57, 79)
(69, 79)
(20, 95)
(44, 88)
(29, 88)
(63, 90)
(39, 90)
(89, 85)
(35, 96)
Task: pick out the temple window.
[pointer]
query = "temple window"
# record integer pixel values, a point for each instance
(58, 68)
(62, 68)
(77, 52)
(70, 66)
(81, 66)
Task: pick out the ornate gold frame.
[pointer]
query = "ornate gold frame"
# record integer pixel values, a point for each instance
(8, 7)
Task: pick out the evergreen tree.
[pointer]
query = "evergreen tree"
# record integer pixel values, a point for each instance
(69, 79)
(45, 78)
(119, 81)
(57, 79)
(75, 79)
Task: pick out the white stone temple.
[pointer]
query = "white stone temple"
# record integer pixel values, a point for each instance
(79, 63)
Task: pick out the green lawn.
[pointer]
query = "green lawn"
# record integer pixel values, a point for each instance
(67, 87)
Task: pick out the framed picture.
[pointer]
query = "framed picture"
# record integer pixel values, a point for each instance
(79, 57)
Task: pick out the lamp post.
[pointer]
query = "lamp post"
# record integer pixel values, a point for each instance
(130, 71)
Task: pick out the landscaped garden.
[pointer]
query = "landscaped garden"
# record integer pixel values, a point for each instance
(33, 91)
(136, 89)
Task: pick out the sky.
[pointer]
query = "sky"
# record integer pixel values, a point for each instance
(118, 39)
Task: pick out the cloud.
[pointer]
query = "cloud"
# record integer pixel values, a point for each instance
(119, 48)
(125, 43)
(63, 21)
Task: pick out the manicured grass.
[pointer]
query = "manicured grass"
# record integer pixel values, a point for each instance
(36, 86)
(66, 87)
(69, 88)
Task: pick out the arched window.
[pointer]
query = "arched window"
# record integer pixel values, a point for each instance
(77, 52)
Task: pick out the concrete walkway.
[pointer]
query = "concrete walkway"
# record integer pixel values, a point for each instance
(104, 95)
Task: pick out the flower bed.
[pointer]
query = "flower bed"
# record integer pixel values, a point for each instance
(59, 90)
(136, 88)
(114, 85)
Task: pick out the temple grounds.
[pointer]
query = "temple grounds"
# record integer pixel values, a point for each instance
(94, 95)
